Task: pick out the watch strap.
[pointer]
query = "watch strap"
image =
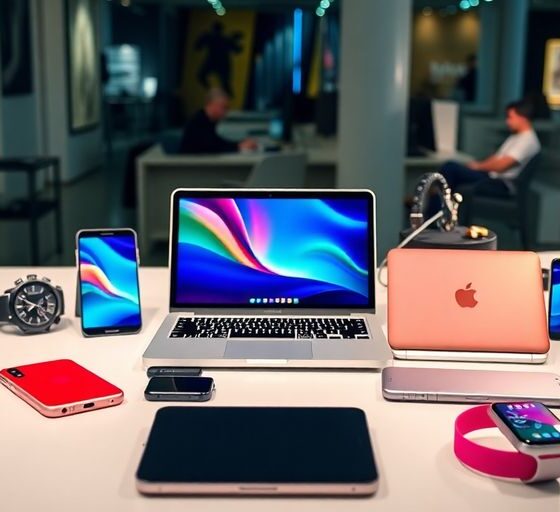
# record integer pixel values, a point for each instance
(489, 461)
(548, 468)
(5, 307)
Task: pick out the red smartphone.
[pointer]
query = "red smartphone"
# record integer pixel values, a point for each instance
(60, 388)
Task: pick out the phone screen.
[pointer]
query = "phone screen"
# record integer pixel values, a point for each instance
(554, 304)
(110, 302)
(174, 385)
(531, 422)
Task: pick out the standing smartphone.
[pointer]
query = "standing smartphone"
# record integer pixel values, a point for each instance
(188, 389)
(108, 282)
(60, 388)
(469, 386)
(554, 301)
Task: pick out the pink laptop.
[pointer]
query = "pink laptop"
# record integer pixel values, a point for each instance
(464, 305)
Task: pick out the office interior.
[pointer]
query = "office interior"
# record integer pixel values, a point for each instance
(105, 87)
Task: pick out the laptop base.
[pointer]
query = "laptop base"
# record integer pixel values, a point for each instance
(475, 357)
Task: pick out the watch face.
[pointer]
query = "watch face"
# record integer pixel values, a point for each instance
(531, 422)
(35, 304)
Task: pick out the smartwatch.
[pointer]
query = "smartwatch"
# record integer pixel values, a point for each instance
(530, 427)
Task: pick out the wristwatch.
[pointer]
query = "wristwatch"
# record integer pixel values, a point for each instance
(33, 305)
(530, 427)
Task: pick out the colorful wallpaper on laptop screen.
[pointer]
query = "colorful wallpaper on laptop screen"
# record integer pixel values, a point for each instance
(109, 282)
(284, 252)
(555, 303)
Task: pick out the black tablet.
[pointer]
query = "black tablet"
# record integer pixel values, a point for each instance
(258, 450)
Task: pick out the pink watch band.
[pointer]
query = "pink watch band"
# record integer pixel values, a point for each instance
(490, 461)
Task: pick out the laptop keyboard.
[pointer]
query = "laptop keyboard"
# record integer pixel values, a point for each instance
(301, 328)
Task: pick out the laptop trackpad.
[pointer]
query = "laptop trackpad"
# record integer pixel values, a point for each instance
(239, 349)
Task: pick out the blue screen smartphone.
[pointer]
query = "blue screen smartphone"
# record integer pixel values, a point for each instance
(108, 287)
(554, 301)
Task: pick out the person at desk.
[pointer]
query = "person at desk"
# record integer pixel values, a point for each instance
(507, 163)
(200, 134)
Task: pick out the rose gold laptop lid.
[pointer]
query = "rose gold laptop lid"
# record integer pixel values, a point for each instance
(465, 300)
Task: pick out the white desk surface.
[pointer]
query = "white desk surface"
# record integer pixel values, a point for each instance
(319, 152)
(322, 155)
(87, 462)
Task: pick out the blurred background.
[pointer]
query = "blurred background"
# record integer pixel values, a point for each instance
(96, 95)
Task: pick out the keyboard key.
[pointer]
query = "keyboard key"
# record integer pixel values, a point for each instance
(270, 327)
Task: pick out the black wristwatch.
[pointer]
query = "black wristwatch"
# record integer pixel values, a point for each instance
(33, 305)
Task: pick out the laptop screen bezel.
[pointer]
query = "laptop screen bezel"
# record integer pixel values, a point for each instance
(179, 194)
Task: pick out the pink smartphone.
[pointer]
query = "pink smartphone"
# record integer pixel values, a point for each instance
(60, 388)
(469, 386)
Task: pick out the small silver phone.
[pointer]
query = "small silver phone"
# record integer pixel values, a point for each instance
(469, 386)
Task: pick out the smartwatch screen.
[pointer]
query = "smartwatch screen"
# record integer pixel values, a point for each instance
(531, 422)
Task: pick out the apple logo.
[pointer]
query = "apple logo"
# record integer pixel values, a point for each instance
(465, 297)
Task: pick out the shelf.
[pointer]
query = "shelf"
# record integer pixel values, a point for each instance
(20, 209)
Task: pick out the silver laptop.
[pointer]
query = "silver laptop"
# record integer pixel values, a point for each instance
(271, 278)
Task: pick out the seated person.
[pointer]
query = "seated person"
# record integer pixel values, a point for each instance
(200, 135)
(508, 162)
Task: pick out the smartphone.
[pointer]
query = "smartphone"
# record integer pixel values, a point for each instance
(187, 389)
(469, 386)
(554, 301)
(108, 282)
(173, 371)
(60, 388)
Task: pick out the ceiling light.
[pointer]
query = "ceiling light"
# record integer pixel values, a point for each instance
(320, 11)
(474, 3)
(465, 4)
(325, 4)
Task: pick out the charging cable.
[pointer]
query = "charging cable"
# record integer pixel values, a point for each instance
(412, 235)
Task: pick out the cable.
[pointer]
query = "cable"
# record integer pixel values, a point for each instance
(412, 235)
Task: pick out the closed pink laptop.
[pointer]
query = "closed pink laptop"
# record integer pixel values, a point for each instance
(466, 305)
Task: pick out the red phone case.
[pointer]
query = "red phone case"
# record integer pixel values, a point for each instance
(61, 387)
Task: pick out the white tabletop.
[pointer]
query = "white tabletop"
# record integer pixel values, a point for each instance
(87, 462)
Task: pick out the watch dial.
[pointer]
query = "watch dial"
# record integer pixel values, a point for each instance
(531, 422)
(35, 304)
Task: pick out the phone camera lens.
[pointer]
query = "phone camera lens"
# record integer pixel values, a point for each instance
(15, 372)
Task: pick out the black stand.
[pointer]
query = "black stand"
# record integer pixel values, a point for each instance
(455, 239)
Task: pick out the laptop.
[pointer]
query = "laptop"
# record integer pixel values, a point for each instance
(271, 278)
(466, 305)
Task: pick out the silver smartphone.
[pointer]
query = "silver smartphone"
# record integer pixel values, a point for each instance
(469, 386)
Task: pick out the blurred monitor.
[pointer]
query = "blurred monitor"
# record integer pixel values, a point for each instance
(276, 128)
(420, 133)
(445, 115)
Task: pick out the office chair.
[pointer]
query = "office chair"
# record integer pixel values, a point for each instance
(518, 208)
(276, 171)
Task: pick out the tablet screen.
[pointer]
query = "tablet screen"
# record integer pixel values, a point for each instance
(258, 445)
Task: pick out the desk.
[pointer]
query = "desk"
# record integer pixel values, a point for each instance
(158, 174)
(87, 462)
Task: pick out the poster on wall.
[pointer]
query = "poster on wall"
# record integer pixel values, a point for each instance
(217, 54)
(551, 78)
(83, 63)
(16, 47)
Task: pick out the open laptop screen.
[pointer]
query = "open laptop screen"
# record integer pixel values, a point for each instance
(276, 249)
